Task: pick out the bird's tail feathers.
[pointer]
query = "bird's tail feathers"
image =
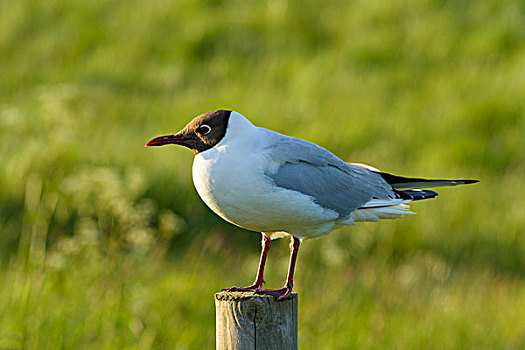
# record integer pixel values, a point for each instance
(374, 214)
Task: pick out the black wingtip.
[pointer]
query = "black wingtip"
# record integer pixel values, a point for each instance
(466, 182)
(402, 183)
(417, 195)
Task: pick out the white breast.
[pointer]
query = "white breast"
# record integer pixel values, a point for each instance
(230, 178)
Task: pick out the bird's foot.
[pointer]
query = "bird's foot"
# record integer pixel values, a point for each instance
(253, 288)
(279, 293)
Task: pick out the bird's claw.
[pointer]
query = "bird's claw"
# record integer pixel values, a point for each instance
(280, 293)
(253, 288)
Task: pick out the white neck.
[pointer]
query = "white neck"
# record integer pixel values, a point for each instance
(239, 129)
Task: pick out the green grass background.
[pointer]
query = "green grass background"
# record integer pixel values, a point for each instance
(105, 244)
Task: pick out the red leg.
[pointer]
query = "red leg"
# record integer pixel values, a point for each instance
(285, 291)
(259, 280)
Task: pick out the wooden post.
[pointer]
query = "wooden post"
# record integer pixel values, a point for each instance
(246, 321)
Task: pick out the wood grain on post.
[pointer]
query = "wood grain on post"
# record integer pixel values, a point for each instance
(250, 321)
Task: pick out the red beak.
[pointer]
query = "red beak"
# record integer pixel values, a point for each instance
(165, 140)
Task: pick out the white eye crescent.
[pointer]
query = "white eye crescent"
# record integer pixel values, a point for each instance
(204, 129)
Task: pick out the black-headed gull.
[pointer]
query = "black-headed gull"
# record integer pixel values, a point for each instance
(282, 186)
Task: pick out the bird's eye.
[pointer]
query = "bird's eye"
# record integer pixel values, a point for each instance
(204, 129)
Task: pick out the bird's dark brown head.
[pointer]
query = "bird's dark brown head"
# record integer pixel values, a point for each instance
(201, 134)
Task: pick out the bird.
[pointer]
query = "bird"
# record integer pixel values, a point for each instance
(284, 186)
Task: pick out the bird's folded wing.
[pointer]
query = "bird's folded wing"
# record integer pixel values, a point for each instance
(312, 170)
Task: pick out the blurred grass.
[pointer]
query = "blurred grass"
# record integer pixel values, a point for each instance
(104, 244)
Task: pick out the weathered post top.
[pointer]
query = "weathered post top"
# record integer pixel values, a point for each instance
(245, 320)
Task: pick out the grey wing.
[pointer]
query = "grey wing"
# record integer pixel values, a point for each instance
(316, 172)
